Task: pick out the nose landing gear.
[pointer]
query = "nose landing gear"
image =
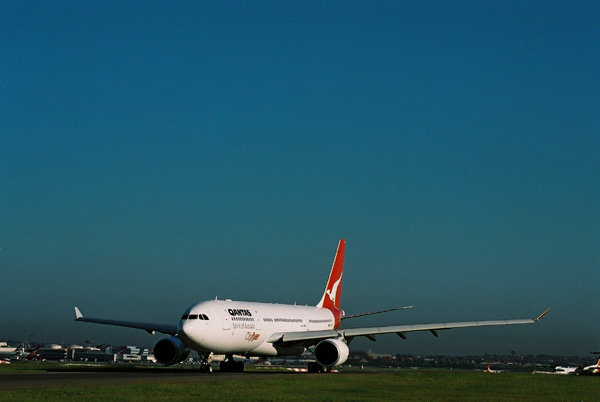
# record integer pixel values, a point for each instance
(205, 366)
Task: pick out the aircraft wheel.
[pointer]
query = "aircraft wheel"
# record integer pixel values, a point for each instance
(314, 367)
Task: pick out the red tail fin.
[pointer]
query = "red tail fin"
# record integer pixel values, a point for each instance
(333, 290)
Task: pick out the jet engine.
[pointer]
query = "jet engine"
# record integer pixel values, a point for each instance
(331, 352)
(170, 350)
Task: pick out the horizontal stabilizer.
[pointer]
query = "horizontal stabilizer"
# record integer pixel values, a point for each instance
(375, 312)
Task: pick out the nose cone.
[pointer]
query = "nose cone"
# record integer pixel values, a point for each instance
(185, 332)
(192, 328)
(181, 324)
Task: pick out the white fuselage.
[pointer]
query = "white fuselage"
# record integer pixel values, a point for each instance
(234, 327)
(565, 370)
(7, 352)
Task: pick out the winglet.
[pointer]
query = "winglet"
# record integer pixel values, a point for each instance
(78, 314)
(542, 315)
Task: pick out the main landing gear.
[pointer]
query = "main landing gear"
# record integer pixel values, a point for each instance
(231, 366)
(314, 367)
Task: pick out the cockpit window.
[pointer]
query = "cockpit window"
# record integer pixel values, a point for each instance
(194, 317)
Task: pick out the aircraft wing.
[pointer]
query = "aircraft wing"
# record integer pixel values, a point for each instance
(312, 337)
(303, 336)
(149, 327)
(370, 332)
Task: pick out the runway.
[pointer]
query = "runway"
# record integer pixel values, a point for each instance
(61, 379)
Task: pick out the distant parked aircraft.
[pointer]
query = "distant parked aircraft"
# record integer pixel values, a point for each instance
(263, 329)
(489, 370)
(9, 352)
(594, 369)
(566, 370)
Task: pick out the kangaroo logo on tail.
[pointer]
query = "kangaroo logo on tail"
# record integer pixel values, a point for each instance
(333, 290)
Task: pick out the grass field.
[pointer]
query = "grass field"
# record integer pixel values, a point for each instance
(405, 385)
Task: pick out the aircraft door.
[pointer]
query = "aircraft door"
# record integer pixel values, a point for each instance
(225, 319)
(257, 320)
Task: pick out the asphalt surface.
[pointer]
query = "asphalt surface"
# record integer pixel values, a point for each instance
(11, 381)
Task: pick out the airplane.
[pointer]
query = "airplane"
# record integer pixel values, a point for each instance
(9, 352)
(489, 370)
(32, 353)
(594, 369)
(566, 370)
(270, 330)
(20, 352)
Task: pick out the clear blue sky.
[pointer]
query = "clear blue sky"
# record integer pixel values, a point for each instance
(157, 154)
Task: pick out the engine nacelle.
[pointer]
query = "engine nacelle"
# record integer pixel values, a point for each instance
(170, 350)
(331, 352)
